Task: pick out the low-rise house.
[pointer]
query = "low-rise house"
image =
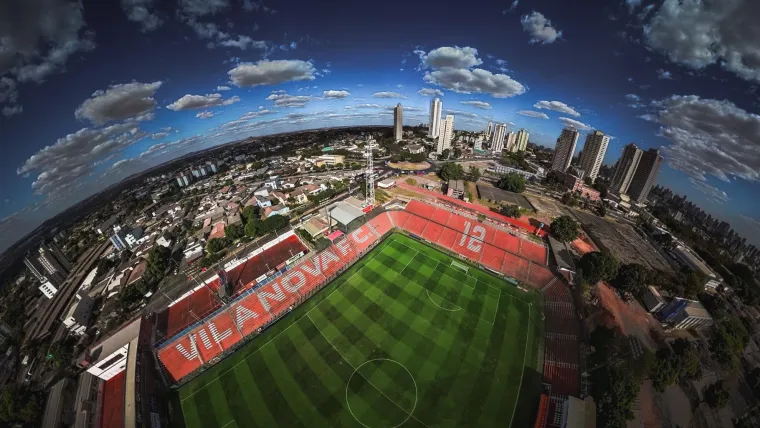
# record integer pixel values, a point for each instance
(281, 197)
(275, 210)
(263, 202)
(217, 231)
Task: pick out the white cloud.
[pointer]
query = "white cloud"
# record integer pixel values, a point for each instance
(460, 113)
(450, 57)
(119, 102)
(663, 74)
(475, 81)
(72, 157)
(575, 124)
(207, 30)
(223, 88)
(9, 111)
(478, 104)
(143, 13)
(511, 8)
(192, 102)
(713, 193)
(557, 106)
(266, 72)
(282, 99)
(539, 28)
(197, 8)
(430, 92)
(386, 94)
(244, 42)
(632, 97)
(205, 114)
(367, 106)
(755, 223)
(333, 94)
(533, 114)
(701, 33)
(709, 137)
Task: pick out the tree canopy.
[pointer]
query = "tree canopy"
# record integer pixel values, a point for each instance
(677, 365)
(474, 173)
(716, 395)
(159, 260)
(598, 266)
(451, 171)
(233, 231)
(564, 228)
(510, 210)
(632, 277)
(512, 182)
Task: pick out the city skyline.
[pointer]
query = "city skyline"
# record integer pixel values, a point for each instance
(102, 91)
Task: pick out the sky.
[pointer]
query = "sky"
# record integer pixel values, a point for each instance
(94, 91)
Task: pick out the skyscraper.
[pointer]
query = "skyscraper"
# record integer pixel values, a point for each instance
(497, 139)
(48, 264)
(434, 126)
(564, 150)
(489, 130)
(444, 136)
(593, 153)
(625, 168)
(511, 142)
(522, 141)
(398, 122)
(645, 175)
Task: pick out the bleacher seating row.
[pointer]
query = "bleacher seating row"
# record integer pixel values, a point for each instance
(256, 309)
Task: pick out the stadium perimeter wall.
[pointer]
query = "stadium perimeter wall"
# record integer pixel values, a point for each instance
(186, 356)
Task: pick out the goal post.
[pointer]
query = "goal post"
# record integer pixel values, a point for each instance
(464, 268)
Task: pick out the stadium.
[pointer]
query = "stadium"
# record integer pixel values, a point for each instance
(430, 315)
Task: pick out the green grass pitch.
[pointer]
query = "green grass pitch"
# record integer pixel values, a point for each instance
(402, 338)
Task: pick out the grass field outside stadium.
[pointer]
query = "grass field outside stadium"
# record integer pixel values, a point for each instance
(405, 337)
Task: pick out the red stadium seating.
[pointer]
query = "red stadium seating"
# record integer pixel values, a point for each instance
(492, 257)
(506, 241)
(458, 223)
(539, 276)
(250, 314)
(534, 252)
(448, 238)
(399, 218)
(515, 267)
(113, 401)
(432, 231)
(416, 224)
(362, 238)
(382, 224)
(441, 216)
(543, 412)
(180, 357)
(420, 208)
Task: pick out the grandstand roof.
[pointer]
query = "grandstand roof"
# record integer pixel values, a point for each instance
(345, 213)
(115, 341)
(576, 413)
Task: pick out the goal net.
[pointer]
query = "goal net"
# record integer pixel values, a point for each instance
(464, 268)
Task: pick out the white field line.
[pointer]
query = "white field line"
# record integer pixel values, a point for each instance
(525, 357)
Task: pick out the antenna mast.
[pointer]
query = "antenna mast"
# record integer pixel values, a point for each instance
(370, 174)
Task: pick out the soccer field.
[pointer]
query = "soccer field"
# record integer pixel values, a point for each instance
(403, 338)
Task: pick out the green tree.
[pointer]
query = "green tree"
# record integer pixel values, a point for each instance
(615, 388)
(632, 277)
(252, 228)
(217, 244)
(716, 395)
(564, 228)
(511, 211)
(512, 182)
(474, 173)
(598, 266)
(451, 171)
(159, 260)
(569, 199)
(445, 154)
(457, 153)
(233, 231)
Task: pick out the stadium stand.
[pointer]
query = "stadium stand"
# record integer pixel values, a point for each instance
(533, 252)
(254, 308)
(113, 401)
(543, 409)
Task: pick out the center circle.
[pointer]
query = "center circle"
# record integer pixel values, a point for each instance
(396, 380)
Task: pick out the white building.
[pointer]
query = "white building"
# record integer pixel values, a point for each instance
(445, 133)
(511, 143)
(478, 142)
(522, 141)
(48, 289)
(193, 251)
(564, 150)
(78, 316)
(593, 153)
(398, 122)
(489, 130)
(497, 139)
(434, 125)
(687, 258)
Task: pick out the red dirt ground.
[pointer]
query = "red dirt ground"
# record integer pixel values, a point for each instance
(631, 318)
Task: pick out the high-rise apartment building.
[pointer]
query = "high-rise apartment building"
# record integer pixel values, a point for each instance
(398, 123)
(489, 130)
(497, 139)
(445, 133)
(645, 175)
(593, 153)
(564, 150)
(522, 141)
(625, 169)
(511, 142)
(434, 126)
(48, 264)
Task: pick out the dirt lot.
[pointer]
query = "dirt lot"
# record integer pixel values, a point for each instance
(621, 240)
(409, 166)
(631, 317)
(547, 208)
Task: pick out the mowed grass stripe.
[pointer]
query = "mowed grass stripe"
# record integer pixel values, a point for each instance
(204, 406)
(274, 398)
(250, 396)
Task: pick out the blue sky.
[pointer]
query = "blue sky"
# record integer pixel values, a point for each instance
(93, 92)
